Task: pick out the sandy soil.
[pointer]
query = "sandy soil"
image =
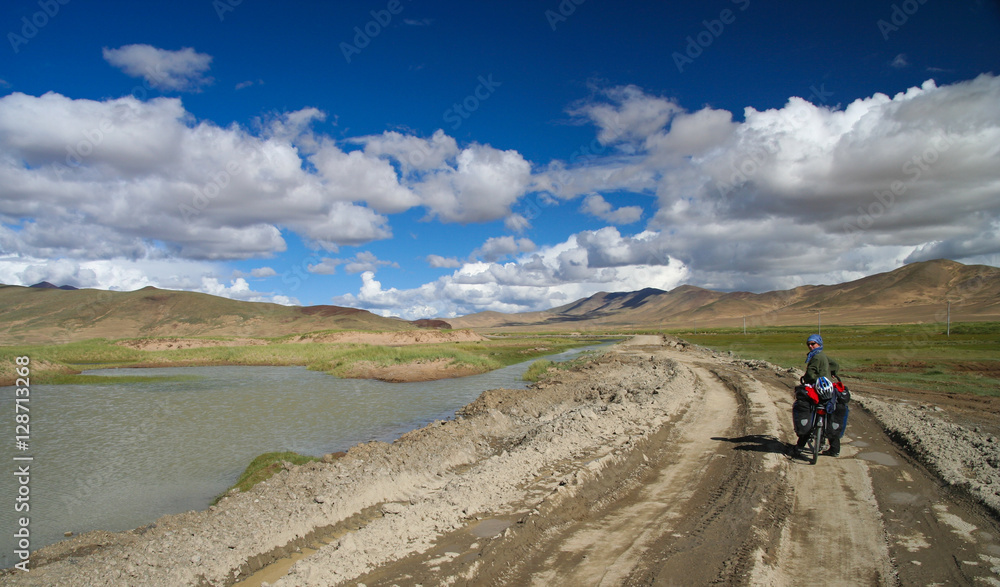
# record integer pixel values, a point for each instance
(655, 464)
(400, 338)
(408, 372)
(167, 344)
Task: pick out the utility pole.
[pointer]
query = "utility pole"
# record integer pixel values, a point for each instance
(819, 321)
(949, 318)
(744, 326)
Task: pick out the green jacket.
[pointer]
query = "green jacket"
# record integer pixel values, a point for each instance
(820, 366)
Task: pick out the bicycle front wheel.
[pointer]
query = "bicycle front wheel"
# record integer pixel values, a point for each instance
(817, 439)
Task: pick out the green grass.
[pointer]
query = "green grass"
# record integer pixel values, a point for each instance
(921, 356)
(542, 369)
(264, 467)
(52, 363)
(339, 360)
(537, 370)
(96, 351)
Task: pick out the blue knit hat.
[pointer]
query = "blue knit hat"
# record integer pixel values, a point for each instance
(815, 338)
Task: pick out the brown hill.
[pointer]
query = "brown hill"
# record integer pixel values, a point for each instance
(915, 293)
(52, 315)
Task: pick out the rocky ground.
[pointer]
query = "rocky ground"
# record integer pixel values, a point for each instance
(656, 464)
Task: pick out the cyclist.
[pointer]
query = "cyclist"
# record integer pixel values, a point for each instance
(818, 367)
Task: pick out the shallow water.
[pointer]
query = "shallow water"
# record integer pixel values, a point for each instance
(879, 457)
(118, 456)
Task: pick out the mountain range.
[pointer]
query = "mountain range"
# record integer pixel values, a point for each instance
(50, 314)
(915, 293)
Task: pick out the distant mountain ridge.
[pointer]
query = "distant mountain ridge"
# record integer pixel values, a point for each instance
(915, 293)
(918, 292)
(47, 285)
(44, 313)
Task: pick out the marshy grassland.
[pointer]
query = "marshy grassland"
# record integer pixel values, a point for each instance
(52, 364)
(925, 356)
(916, 356)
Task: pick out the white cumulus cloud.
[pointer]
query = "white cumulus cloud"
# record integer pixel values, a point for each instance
(180, 71)
(804, 193)
(584, 264)
(595, 205)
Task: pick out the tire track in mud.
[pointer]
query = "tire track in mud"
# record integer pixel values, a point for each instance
(692, 505)
(614, 547)
(722, 527)
(833, 511)
(937, 534)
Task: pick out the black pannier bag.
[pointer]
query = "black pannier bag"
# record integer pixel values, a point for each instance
(804, 409)
(803, 416)
(836, 422)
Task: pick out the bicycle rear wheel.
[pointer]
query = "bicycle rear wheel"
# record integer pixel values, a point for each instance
(817, 439)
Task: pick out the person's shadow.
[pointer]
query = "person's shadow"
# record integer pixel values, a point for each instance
(756, 443)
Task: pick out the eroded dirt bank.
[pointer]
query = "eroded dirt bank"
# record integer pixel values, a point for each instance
(424, 370)
(398, 338)
(656, 464)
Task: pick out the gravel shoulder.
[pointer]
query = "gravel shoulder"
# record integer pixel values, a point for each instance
(656, 463)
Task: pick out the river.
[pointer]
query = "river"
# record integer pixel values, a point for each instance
(118, 456)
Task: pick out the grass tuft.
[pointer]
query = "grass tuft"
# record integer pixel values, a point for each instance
(537, 370)
(543, 368)
(264, 467)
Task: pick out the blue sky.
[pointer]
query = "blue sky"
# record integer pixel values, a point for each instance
(434, 159)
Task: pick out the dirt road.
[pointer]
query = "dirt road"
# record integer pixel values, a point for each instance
(656, 464)
(715, 500)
